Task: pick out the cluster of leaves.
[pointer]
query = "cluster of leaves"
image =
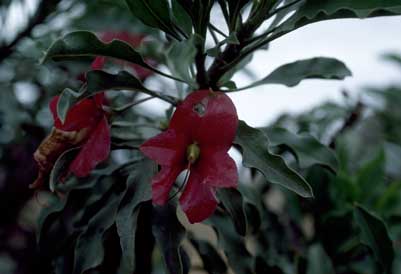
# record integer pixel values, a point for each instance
(105, 223)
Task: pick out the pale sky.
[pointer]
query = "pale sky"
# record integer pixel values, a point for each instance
(358, 43)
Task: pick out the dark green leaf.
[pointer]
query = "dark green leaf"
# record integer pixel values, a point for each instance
(392, 57)
(318, 261)
(318, 10)
(233, 203)
(60, 169)
(154, 13)
(180, 57)
(99, 81)
(182, 18)
(67, 98)
(255, 144)
(89, 249)
(315, 68)
(169, 234)
(370, 177)
(78, 44)
(307, 149)
(234, 247)
(212, 261)
(374, 234)
(139, 182)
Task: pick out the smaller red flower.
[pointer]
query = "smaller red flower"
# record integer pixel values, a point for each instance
(200, 133)
(85, 126)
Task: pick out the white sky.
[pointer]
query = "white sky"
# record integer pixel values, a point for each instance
(358, 43)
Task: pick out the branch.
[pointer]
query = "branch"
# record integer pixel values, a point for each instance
(43, 11)
(348, 123)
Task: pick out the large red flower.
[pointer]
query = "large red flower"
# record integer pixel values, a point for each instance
(200, 133)
(85, 126)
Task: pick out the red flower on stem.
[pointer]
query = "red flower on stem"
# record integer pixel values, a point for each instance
(85, 126)
(200, 133)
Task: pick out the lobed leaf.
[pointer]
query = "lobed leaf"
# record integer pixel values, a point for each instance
(255, 144)
(78, 44)
(306, 148)
(292, 74)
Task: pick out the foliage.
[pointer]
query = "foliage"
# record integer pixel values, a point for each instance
(339, 187)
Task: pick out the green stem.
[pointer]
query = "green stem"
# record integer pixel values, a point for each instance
(129, 105)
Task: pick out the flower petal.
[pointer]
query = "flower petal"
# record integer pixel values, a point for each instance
(94, 151)
(82, 115)
(98, 63)
(167, 148)
(163, 182)
(219, 124)
(185, 118)
(198, 200)
(217, 169)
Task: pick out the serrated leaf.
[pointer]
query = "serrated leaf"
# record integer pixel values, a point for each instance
(315, 68)
(233, 203)
(169, 233)
(255, 144)
(139, 182)
(212, 261)
(306, 148)
(154, 13)
(374, 234)
(78, 44)
(318, 10)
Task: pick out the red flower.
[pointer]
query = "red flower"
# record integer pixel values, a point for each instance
(200, 133)
(85, 125)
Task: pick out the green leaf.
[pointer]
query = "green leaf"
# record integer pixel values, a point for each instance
(318, 10)
(306, 148)
(233, 203)
(315, 68)
(182, 18)
(180, 56)
(212, 261)
(239, 258)
(318, 261)
(67, 98)
(60, 168)
(99, 81)
(89, 249)
(139, 182)
(154, 13)
(370, 177)
(374, 234)
(255, 144)
(78, 44)
(169, 234)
